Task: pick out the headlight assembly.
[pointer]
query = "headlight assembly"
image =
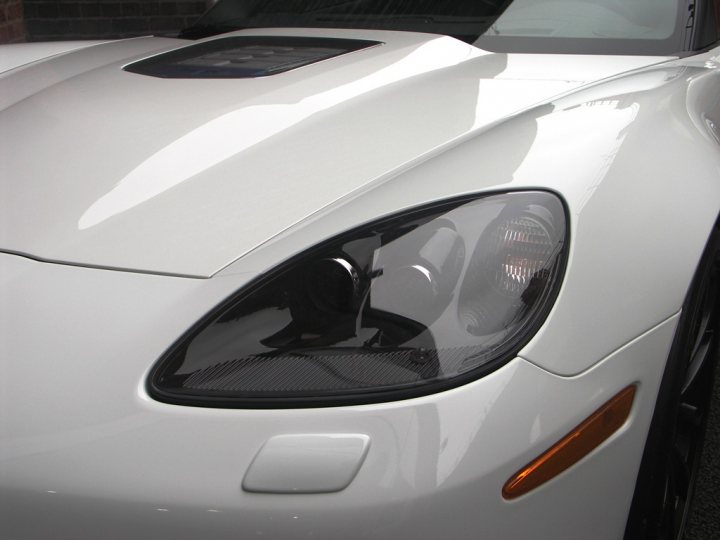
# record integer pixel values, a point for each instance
(409, 305)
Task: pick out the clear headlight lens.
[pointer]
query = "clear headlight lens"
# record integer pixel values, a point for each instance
(409, 305)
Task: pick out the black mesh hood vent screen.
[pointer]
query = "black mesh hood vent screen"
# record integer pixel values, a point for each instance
(244, 57)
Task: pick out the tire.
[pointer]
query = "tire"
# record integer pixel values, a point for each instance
(663, 499)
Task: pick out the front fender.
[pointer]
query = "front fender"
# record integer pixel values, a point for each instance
(637, 163)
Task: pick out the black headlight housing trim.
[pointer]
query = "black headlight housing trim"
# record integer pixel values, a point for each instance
(173, 357)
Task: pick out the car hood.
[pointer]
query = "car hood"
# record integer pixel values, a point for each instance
(108, 168)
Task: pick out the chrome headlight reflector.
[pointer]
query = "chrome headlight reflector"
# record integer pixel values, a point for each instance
(409, 305)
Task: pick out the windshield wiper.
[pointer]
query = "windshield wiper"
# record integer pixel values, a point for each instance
(412, 21)
(426, 19)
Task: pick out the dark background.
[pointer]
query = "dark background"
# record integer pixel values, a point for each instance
(50, 20)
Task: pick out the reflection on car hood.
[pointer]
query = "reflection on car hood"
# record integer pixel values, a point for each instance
(104, 167)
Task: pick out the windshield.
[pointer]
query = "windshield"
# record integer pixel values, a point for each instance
(552, 26)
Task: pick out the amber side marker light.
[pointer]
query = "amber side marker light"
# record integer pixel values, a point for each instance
(574, 446)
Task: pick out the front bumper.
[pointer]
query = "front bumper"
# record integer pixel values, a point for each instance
(85, 453)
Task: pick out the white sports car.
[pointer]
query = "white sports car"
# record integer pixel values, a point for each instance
(362, 269)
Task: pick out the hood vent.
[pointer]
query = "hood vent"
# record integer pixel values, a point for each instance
(244, 57)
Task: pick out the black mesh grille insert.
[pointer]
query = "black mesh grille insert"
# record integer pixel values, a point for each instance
(323, 372)
(244, 57)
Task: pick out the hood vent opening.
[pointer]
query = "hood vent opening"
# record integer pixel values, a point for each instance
(244, 57)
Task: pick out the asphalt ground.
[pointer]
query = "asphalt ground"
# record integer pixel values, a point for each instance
(704, 520)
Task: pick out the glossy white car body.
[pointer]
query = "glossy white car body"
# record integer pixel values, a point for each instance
(131, 206)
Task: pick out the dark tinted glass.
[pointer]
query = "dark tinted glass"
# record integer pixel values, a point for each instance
(241, 57)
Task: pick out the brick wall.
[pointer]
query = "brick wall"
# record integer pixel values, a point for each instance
(12, 27)
(49, 20)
